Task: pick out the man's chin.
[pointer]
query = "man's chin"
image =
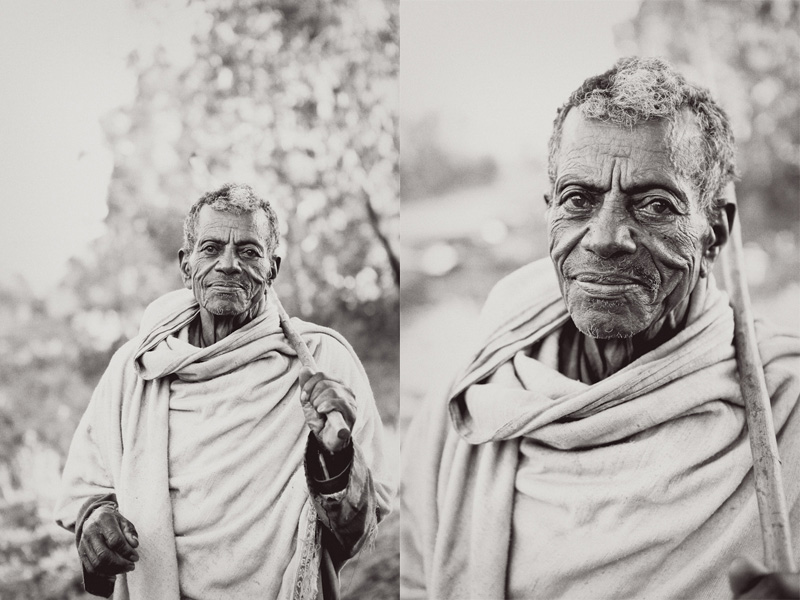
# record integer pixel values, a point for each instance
(225, 309)
(606, 326)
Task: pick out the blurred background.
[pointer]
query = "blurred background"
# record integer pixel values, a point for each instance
(117, 115)
(480, 85)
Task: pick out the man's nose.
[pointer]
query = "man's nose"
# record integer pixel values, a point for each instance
(228, 262)
(609, 233)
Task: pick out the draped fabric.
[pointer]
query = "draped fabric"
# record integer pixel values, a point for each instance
(224, 510)
(527, 483)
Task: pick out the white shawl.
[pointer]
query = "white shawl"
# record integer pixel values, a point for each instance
(121, 444)
(611, 515)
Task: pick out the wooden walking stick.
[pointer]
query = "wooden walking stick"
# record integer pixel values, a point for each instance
(335, 433)
(767, 473)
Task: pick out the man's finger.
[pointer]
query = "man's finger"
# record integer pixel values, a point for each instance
(110, 525)
(129, 531)
(308, 381)
(339, 400)
(326, 406)
(117, 541)
(305, 374)
(88, 557)
(332, 380)
(327, 395)
(107, 560)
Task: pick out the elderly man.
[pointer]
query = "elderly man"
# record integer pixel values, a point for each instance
(595, 446)
(193, 472)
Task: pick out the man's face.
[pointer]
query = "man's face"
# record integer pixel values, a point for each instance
(627, 234)
(229, 267)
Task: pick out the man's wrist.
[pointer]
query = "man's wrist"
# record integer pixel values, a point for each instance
(95, 510)
(327, 472)
(88, 509)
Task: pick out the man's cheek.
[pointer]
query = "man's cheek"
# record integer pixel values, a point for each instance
(555, 227)
(259, 275)
(674, 247)
(563, 237)
(678, 273)
(674, 257)
(200, 270)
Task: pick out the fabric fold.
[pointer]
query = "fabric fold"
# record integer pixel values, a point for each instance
(550, 396)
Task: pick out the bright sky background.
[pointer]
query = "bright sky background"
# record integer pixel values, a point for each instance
(62, 67)
(497, 70)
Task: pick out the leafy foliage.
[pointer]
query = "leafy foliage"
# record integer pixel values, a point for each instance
(749, 54)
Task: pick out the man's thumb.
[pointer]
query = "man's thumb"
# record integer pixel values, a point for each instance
(129, 531)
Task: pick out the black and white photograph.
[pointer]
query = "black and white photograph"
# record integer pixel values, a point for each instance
(200, 299)
(574, 176)
(400, 299)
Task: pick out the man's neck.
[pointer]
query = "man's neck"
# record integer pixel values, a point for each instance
(600, 358)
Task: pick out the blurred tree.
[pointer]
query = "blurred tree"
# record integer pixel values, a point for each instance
(752, 50)
(296, 98)
(429, 169)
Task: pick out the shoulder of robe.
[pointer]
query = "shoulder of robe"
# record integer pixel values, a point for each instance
(333, 345)
(778, 348)
(122, 360)
(162, 307)
(119, 377)
(517, 292)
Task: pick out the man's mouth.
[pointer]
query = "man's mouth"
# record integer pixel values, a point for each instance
(605, 285)
(226, 286)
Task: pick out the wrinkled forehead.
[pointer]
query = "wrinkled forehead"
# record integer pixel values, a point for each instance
(250, 226)
(656, 144)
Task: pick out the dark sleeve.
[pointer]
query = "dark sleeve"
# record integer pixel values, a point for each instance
(345, 501)
(337, 464)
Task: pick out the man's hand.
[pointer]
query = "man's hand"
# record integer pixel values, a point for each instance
(108, 543)
(319, 395)
(751, 580)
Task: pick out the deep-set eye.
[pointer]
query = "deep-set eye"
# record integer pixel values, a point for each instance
(209, 249)
(657, 206)
(249, 253)
(577, 201)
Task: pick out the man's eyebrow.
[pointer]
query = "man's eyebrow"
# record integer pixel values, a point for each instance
(210, 238)
(649, 186)
(217, 240)
(574, 179)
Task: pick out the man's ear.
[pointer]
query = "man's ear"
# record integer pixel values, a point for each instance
(721, 223)
(186, 272)
(275, 266)
(730, 214)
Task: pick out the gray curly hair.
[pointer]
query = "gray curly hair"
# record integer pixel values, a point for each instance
(237, 199)
(641, 89)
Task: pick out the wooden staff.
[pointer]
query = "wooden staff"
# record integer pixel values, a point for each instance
(335, 432)
(767, 473)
